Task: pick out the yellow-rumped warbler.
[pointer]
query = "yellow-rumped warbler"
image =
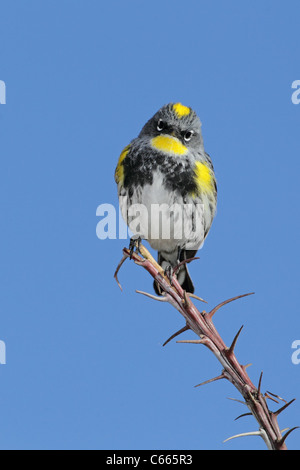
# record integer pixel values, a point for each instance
(167, 187)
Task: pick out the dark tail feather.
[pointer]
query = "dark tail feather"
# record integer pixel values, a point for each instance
(156, 286)
(183, 274)
(187, 284)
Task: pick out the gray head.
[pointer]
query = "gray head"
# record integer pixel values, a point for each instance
(176, 120)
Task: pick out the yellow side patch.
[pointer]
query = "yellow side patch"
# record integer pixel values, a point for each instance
(181, 110)
(168, 144)
(119, 173)
(203, 178)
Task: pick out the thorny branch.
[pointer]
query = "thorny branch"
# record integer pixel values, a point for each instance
(201, 323)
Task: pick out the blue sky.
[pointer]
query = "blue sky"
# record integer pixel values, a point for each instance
(85, 364)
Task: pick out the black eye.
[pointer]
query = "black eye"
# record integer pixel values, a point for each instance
(188, 135)
(160, 125)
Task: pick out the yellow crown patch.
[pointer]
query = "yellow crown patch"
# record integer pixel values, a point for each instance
(181, 110)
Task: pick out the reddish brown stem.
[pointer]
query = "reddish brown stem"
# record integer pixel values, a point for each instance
(202, 324)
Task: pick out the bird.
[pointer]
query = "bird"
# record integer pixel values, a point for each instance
(167, 188)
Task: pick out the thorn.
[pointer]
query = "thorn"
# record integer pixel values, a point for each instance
(283, 430)
(246, 366)
(196, 297)
(231, 349)
(239, 401)
(192, 341)
(241, 416)
(125, 256)
(185, 261)
(185, 328)
(151, 296)
(276, 396)
(259, 383)
(222, 376)
(281, 441)
(276, 413)
(244, 434)
(270, 398)
(214, 310)
(186, 301)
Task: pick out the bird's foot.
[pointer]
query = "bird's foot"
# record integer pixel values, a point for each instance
(134, 245)
(179, 254)
(169, 273)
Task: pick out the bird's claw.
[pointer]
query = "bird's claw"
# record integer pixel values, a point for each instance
(169, 273)
(134, 245)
